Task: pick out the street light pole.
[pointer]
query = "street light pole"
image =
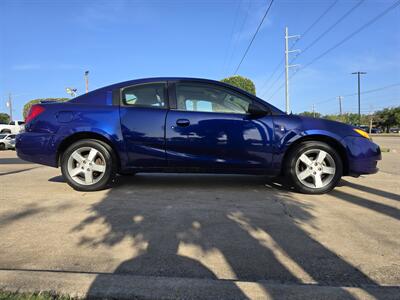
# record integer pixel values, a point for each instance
(9, 105)
(87, 81)
(359, 93)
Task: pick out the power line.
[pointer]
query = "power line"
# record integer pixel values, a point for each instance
(238, 38)
(325, 32)
(231, 37)
(370, 22)
(254, 36)
(338, 21)
(364, 92)
(318, 19)
(281, 62)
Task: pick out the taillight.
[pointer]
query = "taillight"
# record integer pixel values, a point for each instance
(34, 112)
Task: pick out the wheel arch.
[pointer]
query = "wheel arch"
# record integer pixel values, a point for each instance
(83, 136)
(331, 141)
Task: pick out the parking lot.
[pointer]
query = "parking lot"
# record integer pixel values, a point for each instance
(246, 233)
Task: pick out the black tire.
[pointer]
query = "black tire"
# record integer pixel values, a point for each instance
(110, 165)
(294, 155)
(126, 173)
(2, 146)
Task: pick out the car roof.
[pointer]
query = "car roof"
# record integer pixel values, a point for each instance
(159, 79)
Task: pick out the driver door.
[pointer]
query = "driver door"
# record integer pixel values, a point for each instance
(209, 129)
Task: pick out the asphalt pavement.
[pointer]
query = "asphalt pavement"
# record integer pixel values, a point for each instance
(200, 236)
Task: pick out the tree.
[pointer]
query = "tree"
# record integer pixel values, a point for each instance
(4, 118)
(242, 83)
(310, 114)
(388, 117)
(28, 105)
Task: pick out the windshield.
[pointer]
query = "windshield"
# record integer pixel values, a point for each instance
(2, 136)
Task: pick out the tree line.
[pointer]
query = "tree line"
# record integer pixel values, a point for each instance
(383, 119)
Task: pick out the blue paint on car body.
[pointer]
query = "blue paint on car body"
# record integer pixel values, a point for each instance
(150, 139)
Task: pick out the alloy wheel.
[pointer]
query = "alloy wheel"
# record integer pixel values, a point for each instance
(315, 168)
(86, 165)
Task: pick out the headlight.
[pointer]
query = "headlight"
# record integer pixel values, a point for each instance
(362, 133)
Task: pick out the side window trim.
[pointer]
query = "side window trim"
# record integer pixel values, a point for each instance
(121, 101)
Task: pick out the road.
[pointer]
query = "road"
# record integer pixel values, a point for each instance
(223, 228)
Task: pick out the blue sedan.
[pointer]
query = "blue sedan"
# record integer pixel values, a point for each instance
(190, 125)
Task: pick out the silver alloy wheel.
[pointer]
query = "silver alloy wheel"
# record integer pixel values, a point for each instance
(315, 168)
(86, 165)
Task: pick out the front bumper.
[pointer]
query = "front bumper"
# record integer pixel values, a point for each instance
(363, 155)
(37, 147)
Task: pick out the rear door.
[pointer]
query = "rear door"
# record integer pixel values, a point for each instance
(208, 128)
(143, 111)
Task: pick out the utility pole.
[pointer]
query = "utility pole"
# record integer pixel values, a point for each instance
(87, 81)
(287, 66)
(359, 94)
(340, 105)
(9, 105)
(313, 110)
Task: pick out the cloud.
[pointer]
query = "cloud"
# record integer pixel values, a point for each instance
(26, 67)
(45, 66)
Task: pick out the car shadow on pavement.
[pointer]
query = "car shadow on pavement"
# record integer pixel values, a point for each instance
(381, 208)
(371, 190)
(215, 227)
(13, 161)
(17, 171)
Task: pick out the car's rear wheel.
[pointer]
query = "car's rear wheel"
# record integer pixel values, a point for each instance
(2, 146)
(314, 167)
(88, 165)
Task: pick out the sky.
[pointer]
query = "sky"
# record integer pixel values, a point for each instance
(47, 45)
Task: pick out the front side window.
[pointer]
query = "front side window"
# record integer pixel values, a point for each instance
(146, 95)
(207, 98)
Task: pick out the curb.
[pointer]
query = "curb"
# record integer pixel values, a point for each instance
(120, 286)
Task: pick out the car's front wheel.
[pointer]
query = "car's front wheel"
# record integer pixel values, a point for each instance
(314, 167)
(88, 165)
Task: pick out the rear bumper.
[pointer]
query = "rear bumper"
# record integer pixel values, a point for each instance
(37, 147)
(363, 155)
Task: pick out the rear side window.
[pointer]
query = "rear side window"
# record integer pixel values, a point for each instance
(146, 95)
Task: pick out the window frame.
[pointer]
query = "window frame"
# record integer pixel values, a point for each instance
(174, 101)
(165, 91)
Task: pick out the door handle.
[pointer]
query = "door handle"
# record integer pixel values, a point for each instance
(183, 122)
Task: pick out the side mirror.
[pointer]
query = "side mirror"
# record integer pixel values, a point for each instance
(256, 111)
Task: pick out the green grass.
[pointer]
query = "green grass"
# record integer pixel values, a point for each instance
(32, 296)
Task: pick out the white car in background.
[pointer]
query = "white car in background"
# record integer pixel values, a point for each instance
(12, 127)
(7, 141)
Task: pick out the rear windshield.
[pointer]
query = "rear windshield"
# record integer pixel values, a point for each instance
(2, 136)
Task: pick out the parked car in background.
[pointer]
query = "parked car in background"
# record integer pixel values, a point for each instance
(7, 141)
(394, 130)
(190, 125)
(374, 130)
(12, 127)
